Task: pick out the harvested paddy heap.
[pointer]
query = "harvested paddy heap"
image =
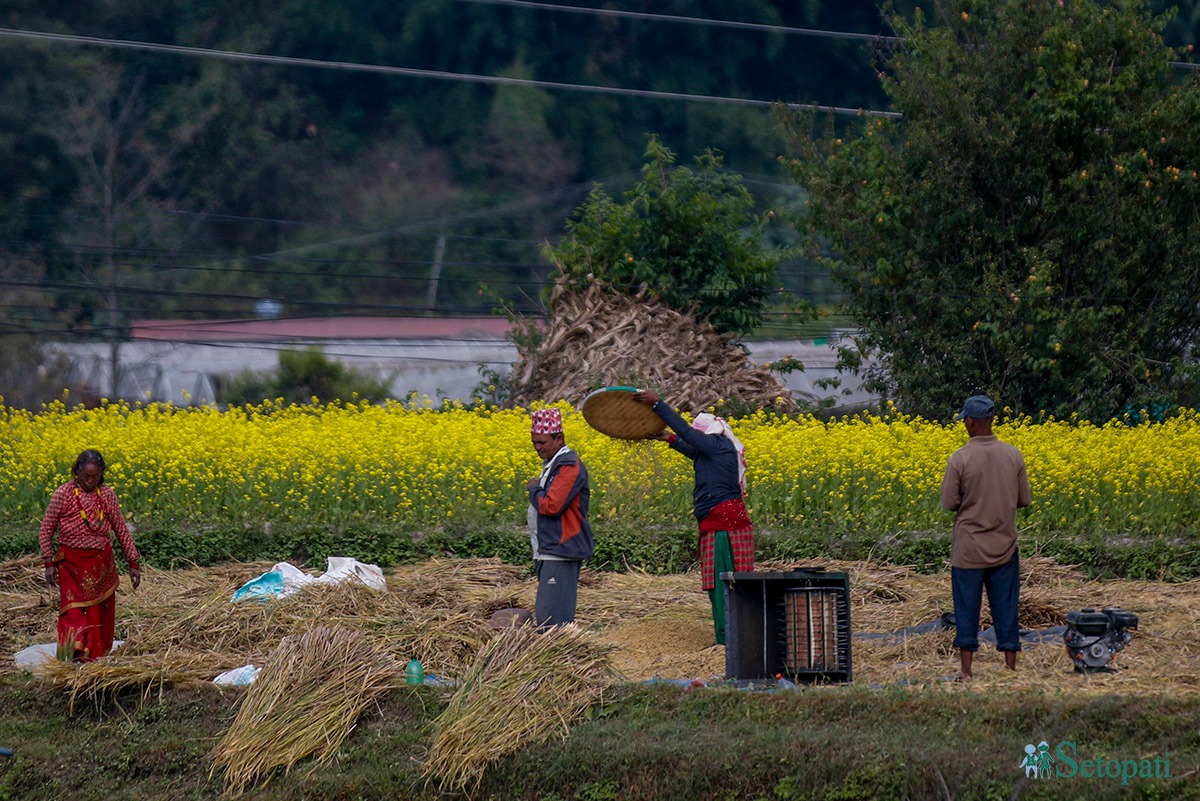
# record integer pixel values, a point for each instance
(330, 649)
(181, 626)
(598, 337)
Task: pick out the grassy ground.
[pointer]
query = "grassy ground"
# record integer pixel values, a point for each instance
(900, 730)
(665, 549)
(648, 742)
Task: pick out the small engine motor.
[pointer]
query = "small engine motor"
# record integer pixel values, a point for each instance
(1094, 637)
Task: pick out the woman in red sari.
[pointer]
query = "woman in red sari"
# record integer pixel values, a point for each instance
(85, 515)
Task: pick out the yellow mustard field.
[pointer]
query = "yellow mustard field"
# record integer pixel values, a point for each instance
(448, 465)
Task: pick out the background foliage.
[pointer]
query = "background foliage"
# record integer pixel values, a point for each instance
(304, 376)
(155, 184)
(1030, 228)
(691, 237)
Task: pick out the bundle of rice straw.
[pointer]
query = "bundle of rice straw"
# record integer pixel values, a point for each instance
(525, 685)
(22, 574)
(474, 585)
(305, 701)
(108, 678)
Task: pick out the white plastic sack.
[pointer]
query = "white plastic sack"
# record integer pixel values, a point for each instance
(238, 677)
(344, 568)
(284, 578)
(35, 656)
(293, 577)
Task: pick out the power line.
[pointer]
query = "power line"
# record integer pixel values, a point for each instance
(147, 257)
(211, 296)
(726, 23)
(426, 227)
(413, 72)
(715, 23)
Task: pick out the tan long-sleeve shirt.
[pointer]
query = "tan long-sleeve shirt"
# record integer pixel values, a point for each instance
(985, 483)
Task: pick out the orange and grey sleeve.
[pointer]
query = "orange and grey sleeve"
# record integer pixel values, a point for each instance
(559, 491)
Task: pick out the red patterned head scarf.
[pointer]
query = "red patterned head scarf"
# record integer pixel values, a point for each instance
(547, 421)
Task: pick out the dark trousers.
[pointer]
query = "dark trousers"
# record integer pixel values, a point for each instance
(558, 589)
(1003, 585)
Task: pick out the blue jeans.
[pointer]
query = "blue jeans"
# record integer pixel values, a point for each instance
(1003, 586)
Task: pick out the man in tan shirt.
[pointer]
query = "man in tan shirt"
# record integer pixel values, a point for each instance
(984, 485)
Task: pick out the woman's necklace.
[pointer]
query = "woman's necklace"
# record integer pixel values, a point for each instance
(83, 515)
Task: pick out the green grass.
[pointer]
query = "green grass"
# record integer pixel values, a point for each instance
(658, 550)
(647, 742)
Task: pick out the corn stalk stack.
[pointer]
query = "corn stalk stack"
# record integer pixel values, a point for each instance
(598, 337)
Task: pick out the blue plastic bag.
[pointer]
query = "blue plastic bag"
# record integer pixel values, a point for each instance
(268, 585)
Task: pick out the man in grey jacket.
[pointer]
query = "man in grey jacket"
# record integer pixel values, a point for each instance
(559, 533)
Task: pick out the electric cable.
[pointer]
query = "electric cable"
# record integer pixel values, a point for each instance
(716, 23)
(413, 72)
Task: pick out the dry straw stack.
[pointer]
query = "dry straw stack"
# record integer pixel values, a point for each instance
(22, 573)
(305, 702)
(24, 602)
(526, 686)
(182, 627)
(598, 337)
(468, 585)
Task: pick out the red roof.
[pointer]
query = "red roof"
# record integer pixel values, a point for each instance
(322, 328)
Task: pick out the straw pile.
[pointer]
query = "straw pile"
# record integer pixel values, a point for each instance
(180, 626)
(25, 601)
(600, 337)
(20, 574)
(305, 702)
(1048, 591)
(108, 679)
(526, 686)
(612, 599)
(470, 585)
(669, 644)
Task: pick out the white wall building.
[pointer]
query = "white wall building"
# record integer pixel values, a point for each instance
(182, 362)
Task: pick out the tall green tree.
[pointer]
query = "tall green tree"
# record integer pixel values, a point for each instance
(692, 237)
(1030, 228)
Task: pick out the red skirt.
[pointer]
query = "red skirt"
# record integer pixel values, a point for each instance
(730, 516)
(87, 600)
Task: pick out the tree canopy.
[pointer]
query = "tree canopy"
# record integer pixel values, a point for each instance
(691, 237)
(1030, 227)
(175, 183)
(209, 183)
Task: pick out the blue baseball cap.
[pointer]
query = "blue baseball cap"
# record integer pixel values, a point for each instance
(977, 407)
